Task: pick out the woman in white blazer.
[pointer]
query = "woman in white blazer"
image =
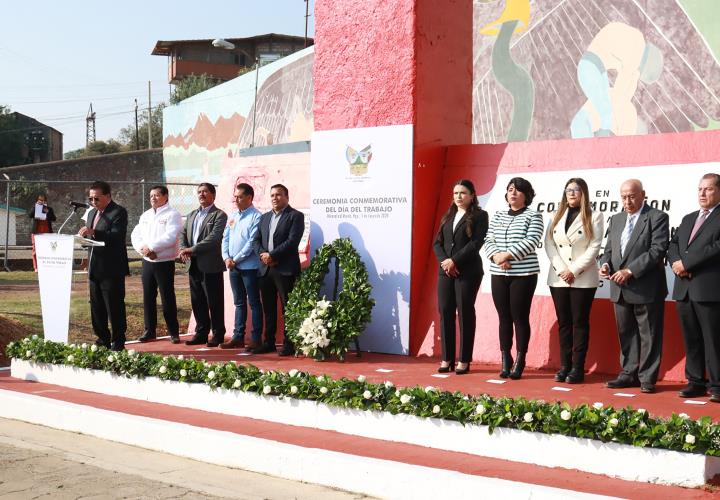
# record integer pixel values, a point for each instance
(572, 243)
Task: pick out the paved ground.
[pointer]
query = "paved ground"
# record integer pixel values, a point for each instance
(38, 462)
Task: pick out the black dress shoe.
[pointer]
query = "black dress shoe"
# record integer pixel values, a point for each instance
(622, 383)
(102, 343)
(693, 391)
(287, 350)
(715, 397)
(445, 369)
(575, 376)
(147, 337)
(562, 374)
(215, 341)
(647, 388)
(174, 339)
(196, 341)
(463, 371)
(118, 346)
(264, 349)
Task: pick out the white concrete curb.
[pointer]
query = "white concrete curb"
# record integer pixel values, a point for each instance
(379, 478)
(622, 461)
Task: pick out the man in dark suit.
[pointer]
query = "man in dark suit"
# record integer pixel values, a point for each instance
(280, 232)
(695, 258)
(200, 243)
(107, 266)
(634, 263)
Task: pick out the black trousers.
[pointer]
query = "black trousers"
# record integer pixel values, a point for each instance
(640, 329)
(208, 303)
(699, 321)
(513, 296)
(107, 303)
(572, 307)
(457, 295)
(159, 275)
(272, 286)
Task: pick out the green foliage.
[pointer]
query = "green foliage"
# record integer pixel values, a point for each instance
(191, 85)
(127, 134)
(348, 315)
(598, 422)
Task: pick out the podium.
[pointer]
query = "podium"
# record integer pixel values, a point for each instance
(55, 262)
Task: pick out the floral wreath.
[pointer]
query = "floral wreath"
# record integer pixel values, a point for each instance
(320, 328)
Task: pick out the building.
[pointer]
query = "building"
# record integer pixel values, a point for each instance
(188, 57)
(38, 142)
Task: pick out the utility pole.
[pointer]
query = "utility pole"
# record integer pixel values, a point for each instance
(90, 126)
(149, 119)
(307, 14)
(137, 132)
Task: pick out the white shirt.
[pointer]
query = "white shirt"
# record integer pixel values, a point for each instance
(158, 230)
(458, 215)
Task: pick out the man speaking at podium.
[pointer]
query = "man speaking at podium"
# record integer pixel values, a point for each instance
(107, 266)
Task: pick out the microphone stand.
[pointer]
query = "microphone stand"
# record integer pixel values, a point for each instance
(68, 219)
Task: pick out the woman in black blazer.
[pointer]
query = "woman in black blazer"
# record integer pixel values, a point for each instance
(457, 247)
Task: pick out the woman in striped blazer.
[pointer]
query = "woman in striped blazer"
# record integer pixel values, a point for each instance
(510, 244)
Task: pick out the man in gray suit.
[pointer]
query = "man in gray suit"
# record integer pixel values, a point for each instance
(633, 263)
(695, 257)
(200, 243)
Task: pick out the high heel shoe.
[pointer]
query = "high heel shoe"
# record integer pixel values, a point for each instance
(446, 369)
(463, 371)
(518, 367)
(507, 362)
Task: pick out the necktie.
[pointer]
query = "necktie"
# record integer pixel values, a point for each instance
(627, 233)
(698, 223)
(97, 219)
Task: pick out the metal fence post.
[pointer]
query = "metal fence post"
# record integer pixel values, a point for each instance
(142, 194)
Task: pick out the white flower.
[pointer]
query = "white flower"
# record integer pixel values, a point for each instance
(93, 348)
(293, 372)
(110, 358)
(28, 353)
(397, 393)
(565, 415)
(293, 389)
(613, 422)
(183, 372)
(131, 352)
(320, 378)
(73, 346)
(181, 357)
(598, 405)
(163, 369)
(684, 416)
(528, 417)
(480, 409)
(641, 411)
(642, 425)
(236, 384)
(361, 379)
(323, 304)
(211, 374)
(436, 409)
(405, 398)
(267, 389)
(71, 358)
(26, 339)
(84, 345)
(689, 439)
(465, 398)
(367, 394)
(429, 388)
(323, 390)
(388, 384)
(34, 337)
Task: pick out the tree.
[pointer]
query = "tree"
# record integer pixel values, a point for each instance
(127, 134)
(11, 139)
(191, 85)
(97, 148)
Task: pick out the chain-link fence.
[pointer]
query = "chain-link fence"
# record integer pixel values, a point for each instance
(18, 206)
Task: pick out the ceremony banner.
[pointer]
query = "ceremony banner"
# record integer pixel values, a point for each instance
(361, 188)
(54, 259)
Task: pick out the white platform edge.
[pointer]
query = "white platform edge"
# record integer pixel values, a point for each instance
(615, 460)
(376, 477)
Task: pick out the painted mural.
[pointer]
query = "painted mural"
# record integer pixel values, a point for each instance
(556, 69)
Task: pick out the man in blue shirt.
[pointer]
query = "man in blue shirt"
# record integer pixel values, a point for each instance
(239, 251)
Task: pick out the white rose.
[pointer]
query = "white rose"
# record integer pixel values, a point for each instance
(211, 374)
(405, 398)
(361, 379)
(26, 339)
(642, 425)
(131, 352)
(429, 388)
(565, 415)
(397, 393)
(528, 417)
(181, 357)
(84, 345)
(293, 390)
(183, 372)
(293, 372)
(436, 409)
(163, 369)
(684, 416)
(110, 358)
(480, 410)
(267, 389)
(388, 384)
(236, 384)
(73, 346)
(34, 337)
(320, 378)
(93, 348)
(28, 353)
(323, 390)
(466, 398)
(367, 394)
(689, 439)
(71, 358)
(641, 411)
(613, 422)
(598, 405)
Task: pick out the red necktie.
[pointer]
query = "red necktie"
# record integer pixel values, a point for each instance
(97, 219)
(698, 223)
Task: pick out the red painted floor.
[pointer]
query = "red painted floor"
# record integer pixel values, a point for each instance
(411, 371)
(372, 448)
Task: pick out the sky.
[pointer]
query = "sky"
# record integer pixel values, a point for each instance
(56, 57)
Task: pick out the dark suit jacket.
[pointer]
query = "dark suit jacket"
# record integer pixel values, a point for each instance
(463, 250)
(207, 253)
(701, 258)
(50, 217)
(286, 239)
(644, 256)
(111, 260)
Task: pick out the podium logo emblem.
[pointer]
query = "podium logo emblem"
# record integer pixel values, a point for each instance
(53, 245)
(358, 161)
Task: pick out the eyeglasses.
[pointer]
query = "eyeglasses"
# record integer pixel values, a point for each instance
(572, 190)
(94, 198)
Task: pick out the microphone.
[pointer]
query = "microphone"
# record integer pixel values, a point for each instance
(78, 204)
